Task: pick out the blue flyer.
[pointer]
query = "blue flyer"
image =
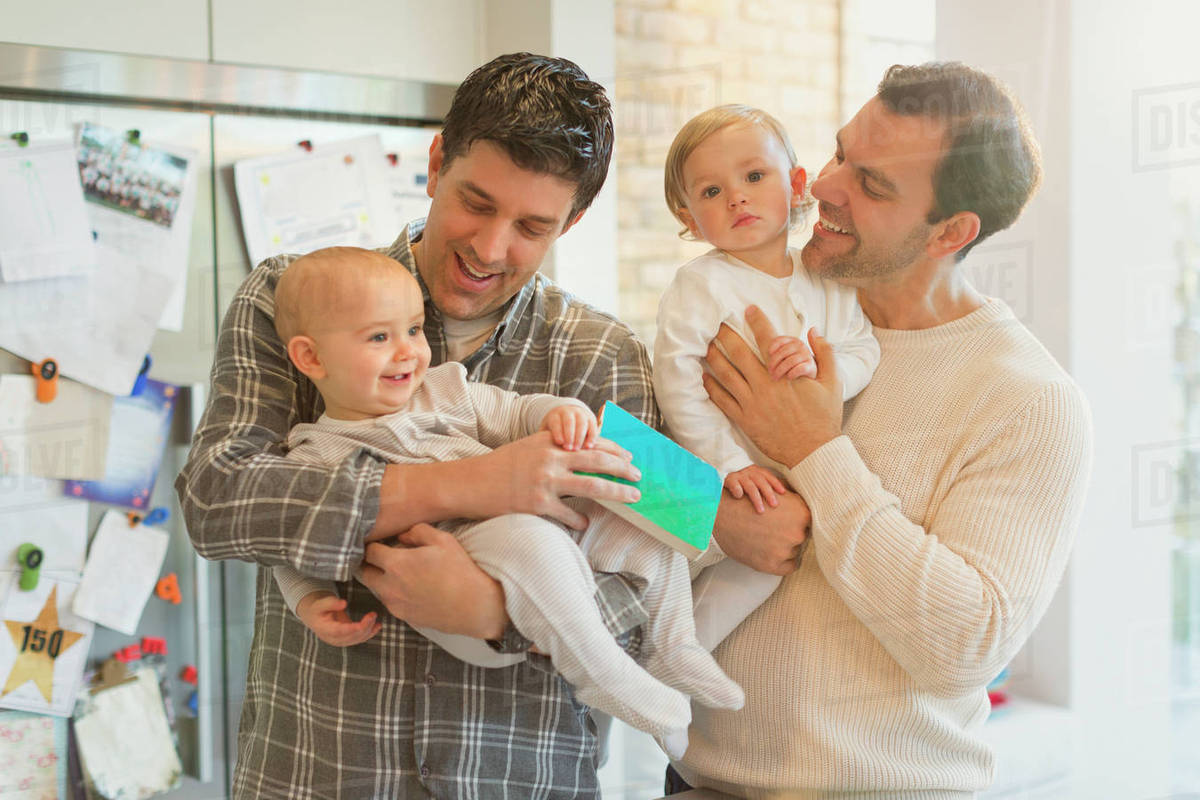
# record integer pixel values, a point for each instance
(136, 438)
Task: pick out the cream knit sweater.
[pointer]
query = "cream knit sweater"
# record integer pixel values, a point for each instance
(942, 523)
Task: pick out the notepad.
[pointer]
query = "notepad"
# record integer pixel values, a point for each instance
(680, 491)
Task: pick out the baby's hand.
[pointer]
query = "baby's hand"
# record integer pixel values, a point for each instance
(789, 357)
(325, 615)
(757, 483)
(571, 427)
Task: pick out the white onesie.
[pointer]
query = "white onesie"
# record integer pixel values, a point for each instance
(716, 288)
(547, 577)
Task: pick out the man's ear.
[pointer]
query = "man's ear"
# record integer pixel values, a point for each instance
(799, 179)
(435, 164)
(302, 350)
(685, 216)
(953, 234)
(571, 223)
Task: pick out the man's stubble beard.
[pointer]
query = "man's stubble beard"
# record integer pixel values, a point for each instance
(860, 265)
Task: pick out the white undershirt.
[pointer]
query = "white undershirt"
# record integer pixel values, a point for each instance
(464, 337)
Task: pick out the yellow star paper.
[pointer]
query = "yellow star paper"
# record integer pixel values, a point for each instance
(38, 644)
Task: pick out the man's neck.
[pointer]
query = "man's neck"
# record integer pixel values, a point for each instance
(923, 297)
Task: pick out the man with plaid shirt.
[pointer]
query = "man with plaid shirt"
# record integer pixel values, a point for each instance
(524, 149)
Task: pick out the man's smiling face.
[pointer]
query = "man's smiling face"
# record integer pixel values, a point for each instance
(874, 196)
(488, 229)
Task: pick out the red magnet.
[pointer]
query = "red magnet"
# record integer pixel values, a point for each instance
(128, 653)
(154, 645)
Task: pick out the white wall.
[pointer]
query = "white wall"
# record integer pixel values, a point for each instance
(585, 259)
(178, 29)
(1092, 263)
(411, 39)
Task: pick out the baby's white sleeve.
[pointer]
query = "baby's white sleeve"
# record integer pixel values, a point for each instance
(849, 331)
(688, 319)
(294, 586)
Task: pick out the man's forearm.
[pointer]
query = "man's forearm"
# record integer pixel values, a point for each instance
(412, 493)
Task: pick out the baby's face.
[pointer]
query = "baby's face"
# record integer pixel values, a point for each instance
(375, 355)
(738, 188)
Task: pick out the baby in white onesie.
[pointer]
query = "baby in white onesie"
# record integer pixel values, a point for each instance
(353, 322)
(732, 180)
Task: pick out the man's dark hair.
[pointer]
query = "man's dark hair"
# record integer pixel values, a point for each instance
(992, 164)
(544, 112)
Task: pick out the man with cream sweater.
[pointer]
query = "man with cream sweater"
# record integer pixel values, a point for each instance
(944, 498)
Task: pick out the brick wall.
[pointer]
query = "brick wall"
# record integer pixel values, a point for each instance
(676, 58)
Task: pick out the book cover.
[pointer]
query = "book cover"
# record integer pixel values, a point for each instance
(680, 492)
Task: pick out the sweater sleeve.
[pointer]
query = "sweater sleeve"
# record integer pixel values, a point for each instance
(688, 319)
(294, 586)
(953, 601)
(239, 496)
(503, 416)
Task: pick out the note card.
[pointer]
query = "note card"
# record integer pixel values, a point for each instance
(43, 648)
(297, 201)
(44, 231)
(33, 756)
(139, 429)
(66, 438)
(125, 742)
(122, 567)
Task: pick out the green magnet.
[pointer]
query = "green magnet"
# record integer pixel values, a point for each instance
(29, 556)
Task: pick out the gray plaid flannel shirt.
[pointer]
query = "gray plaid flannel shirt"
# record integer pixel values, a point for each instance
(395, 716)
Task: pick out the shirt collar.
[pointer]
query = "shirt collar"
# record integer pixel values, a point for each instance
(506, 329)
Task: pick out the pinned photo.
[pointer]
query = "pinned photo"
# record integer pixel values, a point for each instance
(125, 176)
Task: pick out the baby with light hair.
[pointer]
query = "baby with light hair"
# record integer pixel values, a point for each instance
(732, 180)
(353, 322)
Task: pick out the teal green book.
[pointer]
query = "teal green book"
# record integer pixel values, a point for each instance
(680, 492)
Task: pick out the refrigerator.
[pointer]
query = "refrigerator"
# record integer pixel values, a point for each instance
(223, 114)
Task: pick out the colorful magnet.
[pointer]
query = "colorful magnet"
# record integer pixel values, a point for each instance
(46, 372)
(29, 557)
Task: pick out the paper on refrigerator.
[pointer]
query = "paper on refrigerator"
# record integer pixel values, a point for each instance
(408, 177)
(43, 647)
(44, 230)
(66, 438)
(298, 201)
(125, 743)
(34, 510)
(98, 328)
(122, 567)
(141, 201)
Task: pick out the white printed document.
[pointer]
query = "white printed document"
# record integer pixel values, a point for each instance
(44, 230)
(121, 570)
(300, 201)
